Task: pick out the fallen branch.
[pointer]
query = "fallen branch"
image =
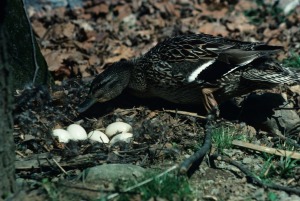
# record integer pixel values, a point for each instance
(278, 152)
(253, 178)
(185, 166)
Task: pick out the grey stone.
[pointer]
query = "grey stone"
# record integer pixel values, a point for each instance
(247, 160)
(112, 172)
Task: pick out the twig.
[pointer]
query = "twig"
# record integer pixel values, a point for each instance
(143, 182)
(20, 154)
(185, 113)
(278, 152)
(287, 108)
(253, 178)
(61, 168)
(133, 150)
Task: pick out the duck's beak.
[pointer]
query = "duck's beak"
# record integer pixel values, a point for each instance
(86, 104)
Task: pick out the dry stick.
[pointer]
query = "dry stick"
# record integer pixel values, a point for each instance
(254, 179)
(185, 113)
(20, 154)
(287, 108)
(143, 182)
(133, 150)
(278, 152)
(61, 168)
(184, 167)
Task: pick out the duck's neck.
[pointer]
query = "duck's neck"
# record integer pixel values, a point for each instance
(137, 81)
(122, 71)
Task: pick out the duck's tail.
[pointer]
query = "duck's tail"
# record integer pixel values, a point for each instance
(272, 72)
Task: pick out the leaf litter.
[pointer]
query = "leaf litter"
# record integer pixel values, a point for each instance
(79, 44)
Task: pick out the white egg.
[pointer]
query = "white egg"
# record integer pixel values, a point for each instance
(98, 136)
(63, 135)
(117, 127)
(77, 132)
(126, 137)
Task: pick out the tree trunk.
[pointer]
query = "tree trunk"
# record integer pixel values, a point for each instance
(28, 66)
(7, 149)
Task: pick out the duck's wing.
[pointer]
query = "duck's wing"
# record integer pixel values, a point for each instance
(271, 72)
(201, 57)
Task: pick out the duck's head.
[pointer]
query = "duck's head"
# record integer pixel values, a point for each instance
(108, 85)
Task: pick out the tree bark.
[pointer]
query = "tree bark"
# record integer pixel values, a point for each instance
(28, 66)
(7, 149)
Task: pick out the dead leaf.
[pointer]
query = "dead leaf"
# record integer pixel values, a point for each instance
(121, 52)
(68, 30)
(99, 9)
(239, 22)
(295, 89)
(170, 8)
(39, 28)
(213, 29)
(214, 13)
(243, 5)
(123, 11)
(94, 60)
(54, 59)
(61, 31)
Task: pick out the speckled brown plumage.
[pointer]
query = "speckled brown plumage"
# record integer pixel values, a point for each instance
(193, 69)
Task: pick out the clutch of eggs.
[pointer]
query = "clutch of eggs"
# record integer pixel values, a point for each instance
(118, 131)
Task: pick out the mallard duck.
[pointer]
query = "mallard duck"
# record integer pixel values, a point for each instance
(193, 69)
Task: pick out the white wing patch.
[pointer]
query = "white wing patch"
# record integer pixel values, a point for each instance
(196, 72)
(242, 64)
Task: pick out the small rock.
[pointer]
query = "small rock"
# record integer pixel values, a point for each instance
(112, 172)
(247, 160)
(259, 194)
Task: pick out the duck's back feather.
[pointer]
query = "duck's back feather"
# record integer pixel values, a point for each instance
(201, 57)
